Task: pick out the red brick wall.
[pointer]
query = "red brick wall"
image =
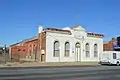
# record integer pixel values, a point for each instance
(31, 46)
(24, 50)
(42, 45)
(109, 46)
(18, 52)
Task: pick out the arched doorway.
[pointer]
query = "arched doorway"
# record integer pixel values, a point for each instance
(77, 51)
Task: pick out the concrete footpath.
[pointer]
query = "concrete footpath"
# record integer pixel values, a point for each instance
(50, 64)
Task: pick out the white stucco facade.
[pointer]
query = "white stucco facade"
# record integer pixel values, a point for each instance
(78, 35)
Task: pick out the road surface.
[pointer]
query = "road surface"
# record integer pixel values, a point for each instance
(64, 73)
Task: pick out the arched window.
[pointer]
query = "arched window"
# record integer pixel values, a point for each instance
(87, 48)
(95, 50)
(67, 49)
(56, 49)
(77, 45)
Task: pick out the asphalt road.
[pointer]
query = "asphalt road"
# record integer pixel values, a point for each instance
(64, 73)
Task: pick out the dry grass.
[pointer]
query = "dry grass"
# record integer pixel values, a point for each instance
(69, 63)
(38, 64)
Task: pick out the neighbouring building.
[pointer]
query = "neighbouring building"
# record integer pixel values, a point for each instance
(60, 45)
(108, 46)
(112, 45)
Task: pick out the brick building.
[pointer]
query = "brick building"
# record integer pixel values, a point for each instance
(112, 45)
(59, 45)
(18, 52)
(108, 46)
(26, 49)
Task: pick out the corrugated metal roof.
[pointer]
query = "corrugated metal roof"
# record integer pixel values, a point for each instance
(30, 39)
(26, 40)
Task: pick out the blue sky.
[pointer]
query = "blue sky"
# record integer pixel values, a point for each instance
(19, 18)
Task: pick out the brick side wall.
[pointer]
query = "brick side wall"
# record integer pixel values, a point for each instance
(31, 48)
(18, 52)
(109, 46)
(42, 46)
(27, 50)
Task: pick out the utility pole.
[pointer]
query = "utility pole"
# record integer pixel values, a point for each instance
(4, 53)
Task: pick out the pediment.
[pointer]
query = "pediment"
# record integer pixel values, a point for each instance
(79, 28)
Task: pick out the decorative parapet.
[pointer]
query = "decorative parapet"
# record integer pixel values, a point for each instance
(58, 31)
(95, 35)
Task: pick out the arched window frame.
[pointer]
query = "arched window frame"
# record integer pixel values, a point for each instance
(67, 49)
(95, 50)
(87, 49)
(56, 50)
(77, 45)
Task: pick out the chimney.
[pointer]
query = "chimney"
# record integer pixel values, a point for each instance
(40, 28)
